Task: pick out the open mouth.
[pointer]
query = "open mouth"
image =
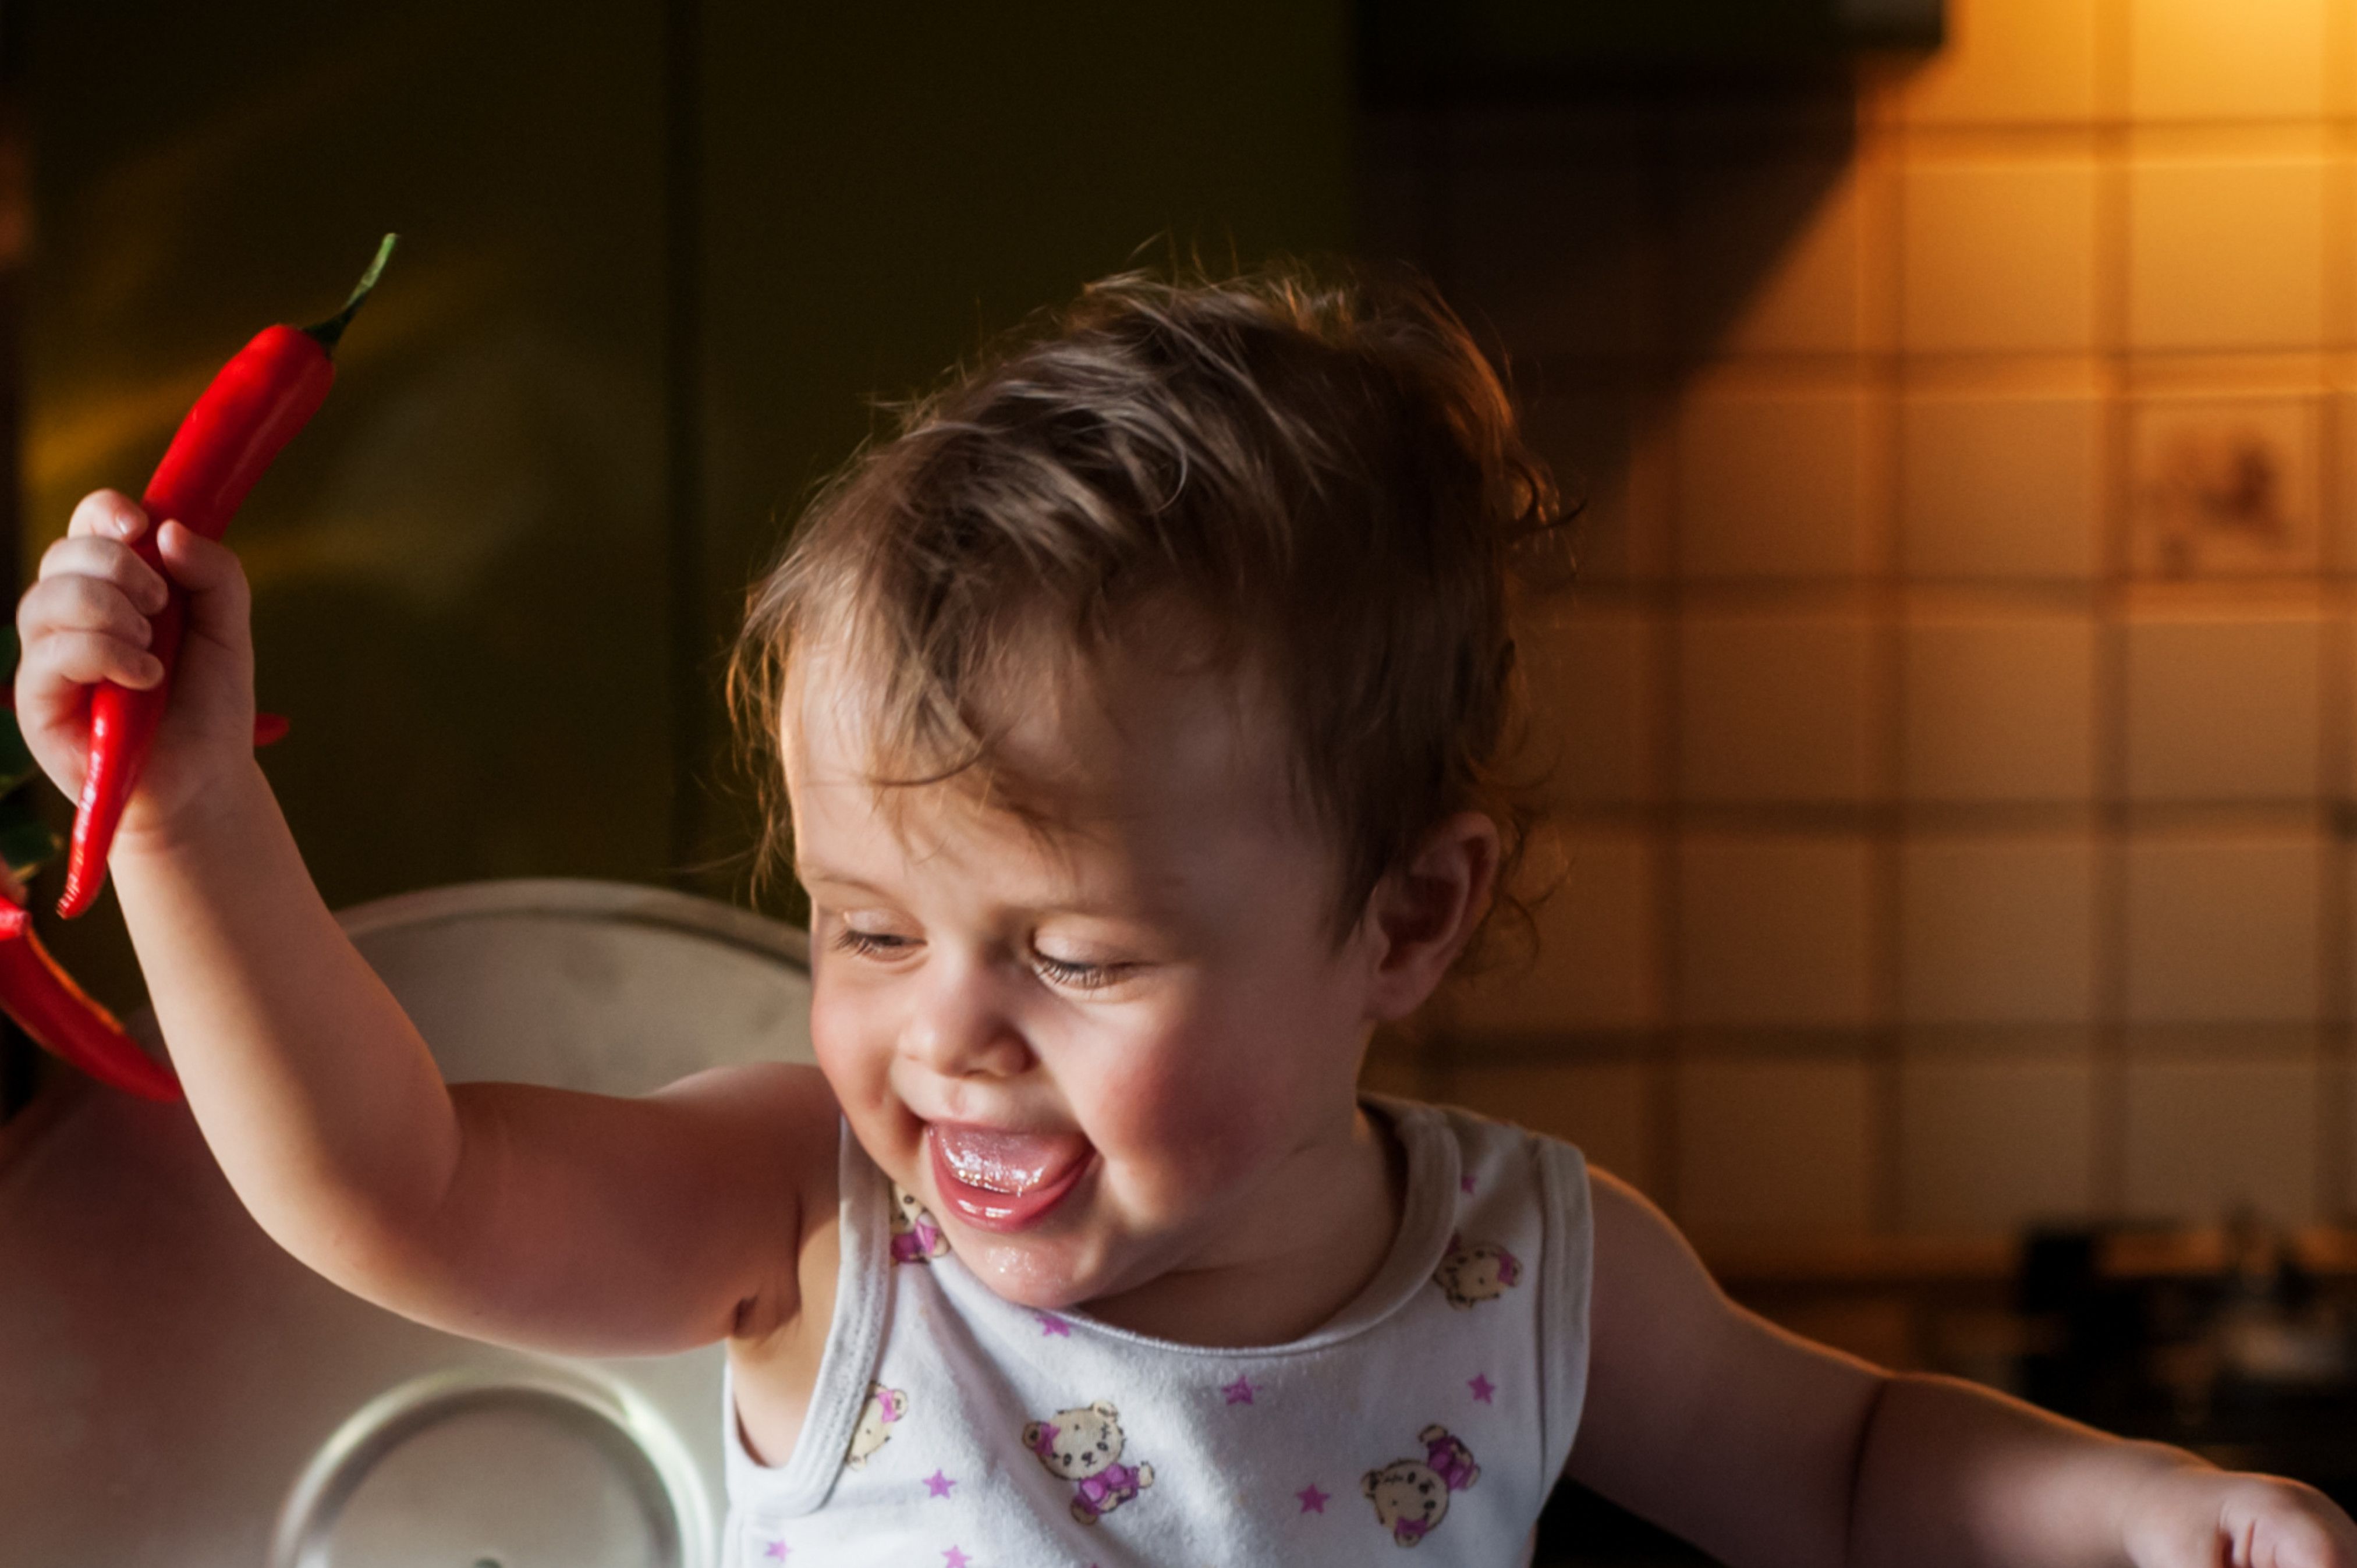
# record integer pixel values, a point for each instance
(1000, 1180)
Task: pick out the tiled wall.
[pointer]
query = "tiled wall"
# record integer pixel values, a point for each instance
(1954, 735)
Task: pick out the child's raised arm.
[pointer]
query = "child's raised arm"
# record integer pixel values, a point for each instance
(1763, 1448)
(531, 1216)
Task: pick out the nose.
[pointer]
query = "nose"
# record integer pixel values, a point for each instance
(961, 1026)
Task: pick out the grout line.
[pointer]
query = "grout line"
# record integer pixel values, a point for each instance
(1883, 160)
(2108, 1154)
(2336, 749)
(1665, 1132)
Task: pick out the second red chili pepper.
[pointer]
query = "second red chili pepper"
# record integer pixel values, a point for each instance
(61, 1017)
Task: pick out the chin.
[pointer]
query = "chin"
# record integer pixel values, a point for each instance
(1025, 1273)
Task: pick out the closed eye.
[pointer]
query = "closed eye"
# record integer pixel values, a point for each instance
(872, 944)
(1080, 976)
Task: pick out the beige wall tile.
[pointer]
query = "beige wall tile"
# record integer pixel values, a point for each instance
(1987, 1147)
(2223, 930)
(1999, 256)
(1591, 685)
(2224, 709)
(1595, 967)
(2226, 255)
(1773, 929)
(1999, 707)
(1767, 256)
(1605, 1108)
(1769, 486)
(1773, 707)
(2009, 60)
(2205, 1138)
(2348, 1090)
(1770, 1148)
(2337, 514)
(1997, 928)
(2007, 488)
(2196, 59)
(2224, 486)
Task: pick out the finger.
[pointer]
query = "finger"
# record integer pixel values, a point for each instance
(81, 604)
(110, 561)
(86, 658)
(209, 570)
(107, 514)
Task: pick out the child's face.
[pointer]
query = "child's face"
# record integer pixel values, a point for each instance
(1124, 1046)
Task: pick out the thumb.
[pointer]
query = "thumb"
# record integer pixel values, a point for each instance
(218, 598)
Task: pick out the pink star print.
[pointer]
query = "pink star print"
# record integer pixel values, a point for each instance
(1312, 1500)
(956, 1559)
(939, 1484)
(1466, 1184)
(1483, 1387)
(1049, 1324)
(779, 1550)
(1240, 1392)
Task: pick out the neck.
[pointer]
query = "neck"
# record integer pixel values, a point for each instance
(1302, 1263)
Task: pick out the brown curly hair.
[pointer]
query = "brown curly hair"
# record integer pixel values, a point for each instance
(1324, 472)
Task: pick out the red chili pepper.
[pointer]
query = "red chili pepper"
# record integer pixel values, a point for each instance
(253, 408)
(60, 1016)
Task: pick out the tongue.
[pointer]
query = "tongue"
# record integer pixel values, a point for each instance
(1009, 1163)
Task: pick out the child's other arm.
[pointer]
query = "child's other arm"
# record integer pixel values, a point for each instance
(1764, 1448)
(563, 1221)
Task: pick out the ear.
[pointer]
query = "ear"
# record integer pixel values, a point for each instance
(1420, 918)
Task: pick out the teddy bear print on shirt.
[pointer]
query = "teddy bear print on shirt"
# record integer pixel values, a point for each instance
(1471, 1275)
(884, 1407)
(1411, 1496)
(1083, 1446)
(916, 1235)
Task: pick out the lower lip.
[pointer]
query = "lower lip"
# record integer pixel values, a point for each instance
(988, 1210)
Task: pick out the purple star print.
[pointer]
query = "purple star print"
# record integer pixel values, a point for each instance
(1051, 1325)
(1465, 1183)
(1483, 1387)
(1312, 1500)
(939, 1484)
(779, 1550)
(1240, 1392)
(953, 1558)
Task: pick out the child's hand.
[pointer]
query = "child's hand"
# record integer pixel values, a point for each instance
(86, 621)
(2189, 1515)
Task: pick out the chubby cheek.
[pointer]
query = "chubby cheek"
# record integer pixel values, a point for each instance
(1211, 1110)
(854, 1050)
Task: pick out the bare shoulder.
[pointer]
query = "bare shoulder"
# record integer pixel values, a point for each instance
(777, 1114)
(1700, 1414)
(773, 1130)
(1640, 1252)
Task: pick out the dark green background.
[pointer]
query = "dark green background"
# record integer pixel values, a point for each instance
(655, 260)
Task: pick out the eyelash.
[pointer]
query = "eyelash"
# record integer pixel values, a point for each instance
(1073, 976)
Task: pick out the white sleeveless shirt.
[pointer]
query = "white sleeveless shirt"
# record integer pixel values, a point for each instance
(952, 1429)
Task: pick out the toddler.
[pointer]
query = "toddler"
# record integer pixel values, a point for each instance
(1143, 715)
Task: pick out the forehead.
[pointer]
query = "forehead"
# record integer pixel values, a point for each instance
(1135, 766)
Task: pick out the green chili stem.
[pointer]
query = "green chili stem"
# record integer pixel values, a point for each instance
(327, 333)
